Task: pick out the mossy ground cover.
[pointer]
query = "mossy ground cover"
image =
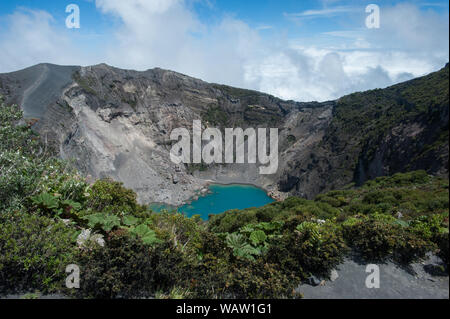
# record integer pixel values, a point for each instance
(254, 253)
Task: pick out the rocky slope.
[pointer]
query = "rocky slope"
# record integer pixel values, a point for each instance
(396, 282)
(117, 123)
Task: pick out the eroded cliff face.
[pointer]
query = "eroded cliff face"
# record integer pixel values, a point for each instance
(117, 123)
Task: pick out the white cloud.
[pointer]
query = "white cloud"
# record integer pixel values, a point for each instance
(154, 32)
(410, 43)
(327, 12)
(31, 38)
(168, 34)
(172, 37)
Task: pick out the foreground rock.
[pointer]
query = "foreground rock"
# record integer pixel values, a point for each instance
(395, 283)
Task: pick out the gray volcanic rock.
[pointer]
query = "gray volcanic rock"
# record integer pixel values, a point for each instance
(395, 283)
(35, 88)
(117, 123)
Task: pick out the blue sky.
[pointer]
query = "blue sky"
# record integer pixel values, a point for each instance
(303, 50)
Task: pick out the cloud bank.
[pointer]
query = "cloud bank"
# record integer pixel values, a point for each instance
(169, 34)
(31, 38)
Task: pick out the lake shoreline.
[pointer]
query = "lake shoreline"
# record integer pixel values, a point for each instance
(274, 194)
(204, 191)
(217, 198)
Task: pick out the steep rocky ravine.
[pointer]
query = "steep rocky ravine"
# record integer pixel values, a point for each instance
(117, 123)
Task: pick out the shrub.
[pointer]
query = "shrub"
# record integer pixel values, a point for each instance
(231, 221)
(410, 248)
(218, 278)
(35, 251)
(15, 134)
(379, 237)
(108, 196)
(442, 241)
(260, 280)
(127, 268)
(184, 233)
(311, 249)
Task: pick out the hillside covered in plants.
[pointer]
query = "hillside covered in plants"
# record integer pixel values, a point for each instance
(50, 217)
(375, 133)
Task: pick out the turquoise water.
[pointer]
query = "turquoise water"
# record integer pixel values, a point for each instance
(222, 198)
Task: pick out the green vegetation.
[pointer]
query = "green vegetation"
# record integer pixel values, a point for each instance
(399, 217)
(215, 116)
(46, 209)
(291, 139)
(374, 112)
(364, 121)
(194, 167)
(85, 84)
(35, 252)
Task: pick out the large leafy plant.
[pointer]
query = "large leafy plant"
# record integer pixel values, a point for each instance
(46, 202)
(147, 235)
(52, 205)
(311, 231)
(102, 221)
(240, 247)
